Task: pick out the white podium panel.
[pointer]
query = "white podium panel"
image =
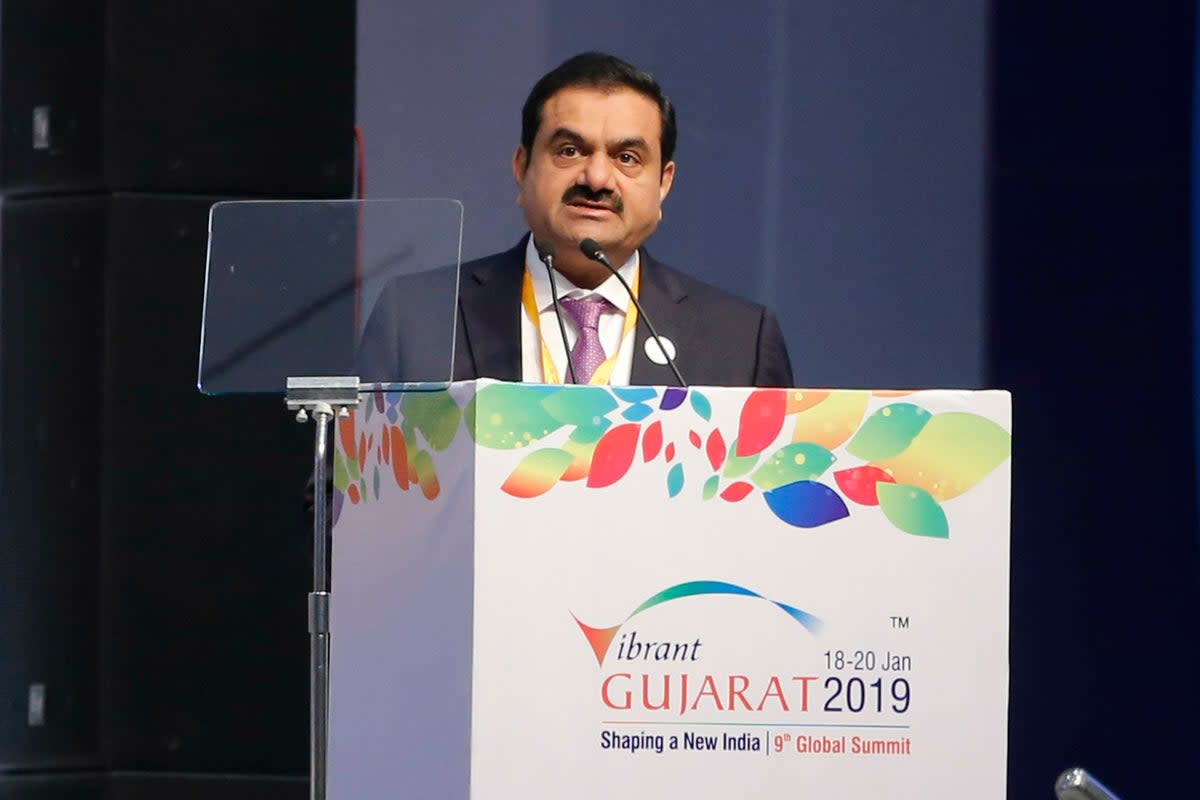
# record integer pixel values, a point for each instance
(592, 592)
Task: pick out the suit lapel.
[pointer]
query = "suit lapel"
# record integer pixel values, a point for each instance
(489, 302)
(662, 299)
(489, 341)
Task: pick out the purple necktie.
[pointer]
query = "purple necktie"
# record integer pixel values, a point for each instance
(587, 355)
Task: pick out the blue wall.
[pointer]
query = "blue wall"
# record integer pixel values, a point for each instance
(1090, 297)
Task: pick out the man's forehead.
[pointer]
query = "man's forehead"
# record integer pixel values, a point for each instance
(618, 112)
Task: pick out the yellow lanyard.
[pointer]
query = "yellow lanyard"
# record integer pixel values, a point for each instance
(549, 371)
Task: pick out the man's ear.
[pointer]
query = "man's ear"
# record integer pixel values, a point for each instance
(520, 163)
(666, 181)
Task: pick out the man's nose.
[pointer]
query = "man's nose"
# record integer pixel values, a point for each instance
(597, 173)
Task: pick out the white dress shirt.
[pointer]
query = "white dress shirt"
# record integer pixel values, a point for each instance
(612, 322)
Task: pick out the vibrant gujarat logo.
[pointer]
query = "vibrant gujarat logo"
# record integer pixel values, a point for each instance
(602, 638)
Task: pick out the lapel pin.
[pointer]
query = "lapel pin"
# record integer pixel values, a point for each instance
(656, 355)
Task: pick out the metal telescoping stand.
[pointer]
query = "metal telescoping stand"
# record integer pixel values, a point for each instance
(321, 398)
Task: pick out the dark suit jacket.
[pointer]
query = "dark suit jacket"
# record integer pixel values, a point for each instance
(720, 339)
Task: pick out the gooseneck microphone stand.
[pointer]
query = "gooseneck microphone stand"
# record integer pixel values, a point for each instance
(592, 250)
(545, 251)
(322, 399)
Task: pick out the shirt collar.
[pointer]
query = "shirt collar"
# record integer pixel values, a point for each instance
(611, 290)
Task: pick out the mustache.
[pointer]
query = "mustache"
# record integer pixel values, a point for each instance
(604, 197)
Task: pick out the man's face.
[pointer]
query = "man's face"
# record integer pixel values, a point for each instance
(595, 171)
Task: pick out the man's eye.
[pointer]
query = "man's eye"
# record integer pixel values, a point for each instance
(568, 150)
(627, 158)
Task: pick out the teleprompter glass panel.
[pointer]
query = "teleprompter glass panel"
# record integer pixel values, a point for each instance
(312, 288)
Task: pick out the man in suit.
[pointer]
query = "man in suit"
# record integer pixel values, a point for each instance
(594, 162)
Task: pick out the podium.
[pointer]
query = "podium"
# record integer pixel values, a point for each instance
(597, 592)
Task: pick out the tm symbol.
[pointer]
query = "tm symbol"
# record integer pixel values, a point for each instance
(899, 622)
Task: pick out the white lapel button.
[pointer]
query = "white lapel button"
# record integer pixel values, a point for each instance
(656, 355)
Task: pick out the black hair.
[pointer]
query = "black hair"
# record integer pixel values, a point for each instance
(596, 71)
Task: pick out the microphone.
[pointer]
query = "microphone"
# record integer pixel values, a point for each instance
(545, 251)
(592, 250)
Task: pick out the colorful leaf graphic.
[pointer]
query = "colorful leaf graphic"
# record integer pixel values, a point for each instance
(350, 465)
(434, 414)
(888, 431)
(798, 461)
(537, 472)
(672, 398)
(514, 415)
(736, 491)
(710, 488)
(590, 434)
(613, 456)
(913, 510)
(803, 399)
(339, 499)
(341, 475)
(859, 483)
(701, 405)
(806, 504)
(715, 449)
(581, 444)
(761, 420)
(426, 475)
(399, 456)
(581, 453)
(637, 412)
(675, 480)
(346, 432)
(652, 441)
(634, 394)
(579, 405)
(951, 454)
(832, 421)
(736, 467)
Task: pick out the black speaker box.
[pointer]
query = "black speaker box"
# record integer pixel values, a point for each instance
(50, 252)
(155, 555)
(207, 558)
(51, 90)
(55, 786)
(230, 96)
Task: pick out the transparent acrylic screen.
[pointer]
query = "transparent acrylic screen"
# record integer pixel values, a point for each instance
(311, 288)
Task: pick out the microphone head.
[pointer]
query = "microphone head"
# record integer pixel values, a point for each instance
(544, 249)
(592, 250)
